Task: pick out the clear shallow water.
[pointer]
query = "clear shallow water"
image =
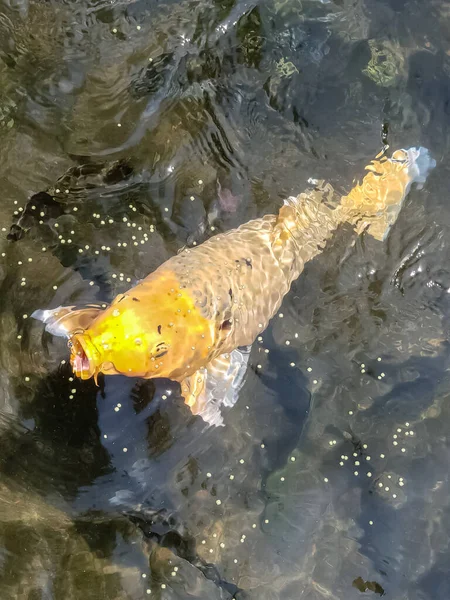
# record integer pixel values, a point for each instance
(305, 493)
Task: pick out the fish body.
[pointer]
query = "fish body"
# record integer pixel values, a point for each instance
(189, 319)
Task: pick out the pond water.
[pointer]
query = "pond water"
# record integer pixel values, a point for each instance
(143, 126)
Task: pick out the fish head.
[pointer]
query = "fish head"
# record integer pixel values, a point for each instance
(111, 351)
(73, 322)
(118, 342)
(144, 333)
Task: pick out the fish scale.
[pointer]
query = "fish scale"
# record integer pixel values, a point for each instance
(240, 261)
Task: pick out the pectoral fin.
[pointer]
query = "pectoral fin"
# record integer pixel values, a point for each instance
(216, 385)
(65, 320)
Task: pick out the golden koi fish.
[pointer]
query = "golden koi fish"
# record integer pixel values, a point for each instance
(192, 318)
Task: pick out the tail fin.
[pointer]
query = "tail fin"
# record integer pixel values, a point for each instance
(65, 320)
(375, 204)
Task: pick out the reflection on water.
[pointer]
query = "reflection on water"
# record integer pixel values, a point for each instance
(154, 125)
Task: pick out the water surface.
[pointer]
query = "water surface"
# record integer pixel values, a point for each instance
(152, 125)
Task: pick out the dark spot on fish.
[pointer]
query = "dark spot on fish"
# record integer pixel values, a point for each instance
(371, 586)
(136, 299)
(226, 325)
(123, 298)
(248, 262)
(230, 291)
(159, 329)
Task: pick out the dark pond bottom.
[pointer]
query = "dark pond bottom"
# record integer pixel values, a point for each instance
(136, 128)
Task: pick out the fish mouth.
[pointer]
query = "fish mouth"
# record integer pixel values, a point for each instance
(82, 356)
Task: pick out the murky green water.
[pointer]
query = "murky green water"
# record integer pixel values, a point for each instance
(156, 124)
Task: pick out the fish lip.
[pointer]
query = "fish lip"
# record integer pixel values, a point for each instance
(84, 357)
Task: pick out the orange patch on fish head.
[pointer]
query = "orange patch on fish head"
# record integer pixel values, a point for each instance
(153, 330)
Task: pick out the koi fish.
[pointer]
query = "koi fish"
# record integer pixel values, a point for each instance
(194, 319)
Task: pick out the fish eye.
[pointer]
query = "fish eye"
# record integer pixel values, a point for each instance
(160, 350)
